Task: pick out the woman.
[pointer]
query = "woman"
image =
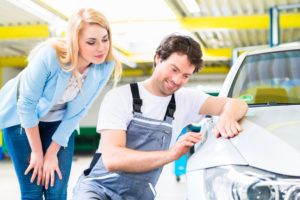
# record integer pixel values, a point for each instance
(43, 101)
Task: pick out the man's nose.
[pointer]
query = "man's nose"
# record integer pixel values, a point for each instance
(177, 79)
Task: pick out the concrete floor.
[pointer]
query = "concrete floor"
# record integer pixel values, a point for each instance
(167, 187)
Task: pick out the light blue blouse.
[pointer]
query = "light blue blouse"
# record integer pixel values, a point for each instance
(42, 84)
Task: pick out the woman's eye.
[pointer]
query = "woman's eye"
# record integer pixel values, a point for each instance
(90, 43)
(105, 40)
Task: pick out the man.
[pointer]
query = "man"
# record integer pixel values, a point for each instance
(139, 124)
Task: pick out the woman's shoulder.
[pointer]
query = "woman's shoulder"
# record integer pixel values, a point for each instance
(50, 59)
(49, 52)
(44, 54)
(51, 46)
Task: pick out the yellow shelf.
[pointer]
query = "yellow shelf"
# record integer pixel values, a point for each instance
(239, 22)
(24, 32)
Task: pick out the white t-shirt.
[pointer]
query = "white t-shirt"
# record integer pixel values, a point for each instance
(116, 108)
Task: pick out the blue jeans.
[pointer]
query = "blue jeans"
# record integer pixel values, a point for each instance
(19, 149)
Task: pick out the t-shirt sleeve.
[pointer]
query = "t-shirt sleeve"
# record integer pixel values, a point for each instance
(192, 101)
(114, 111)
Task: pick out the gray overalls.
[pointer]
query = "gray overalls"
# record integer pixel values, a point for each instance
(142, 134)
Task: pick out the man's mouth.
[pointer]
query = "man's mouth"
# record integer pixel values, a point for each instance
(171, 85)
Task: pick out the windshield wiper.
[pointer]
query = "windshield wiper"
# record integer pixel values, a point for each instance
(271, 103)
(274, 103)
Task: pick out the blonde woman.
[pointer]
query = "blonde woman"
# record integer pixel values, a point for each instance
(42, 106)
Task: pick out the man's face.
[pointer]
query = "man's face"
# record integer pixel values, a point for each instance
(171, 74)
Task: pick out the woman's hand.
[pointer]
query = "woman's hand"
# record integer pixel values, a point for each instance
(49, 169)
(35, 164)
(36, 157)
(51, 165)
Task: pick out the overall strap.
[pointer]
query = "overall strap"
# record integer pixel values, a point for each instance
(171, 108)
(137, 101)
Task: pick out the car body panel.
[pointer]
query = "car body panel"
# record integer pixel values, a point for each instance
(281, 121)
(270, 141)
(223, 153)
(260, 145)
(264, 149)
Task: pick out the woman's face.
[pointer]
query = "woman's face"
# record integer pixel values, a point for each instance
(93, 45)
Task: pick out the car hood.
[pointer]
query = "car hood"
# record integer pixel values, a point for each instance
(270, 140)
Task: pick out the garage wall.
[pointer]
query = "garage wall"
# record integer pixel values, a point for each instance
(9, 73)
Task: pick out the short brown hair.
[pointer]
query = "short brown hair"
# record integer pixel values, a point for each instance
(183, 44)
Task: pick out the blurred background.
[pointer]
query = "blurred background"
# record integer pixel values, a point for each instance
(224, 28)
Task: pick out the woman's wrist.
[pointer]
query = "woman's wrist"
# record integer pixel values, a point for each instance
(53, 148)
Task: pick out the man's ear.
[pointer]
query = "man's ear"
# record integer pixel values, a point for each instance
(157, 59)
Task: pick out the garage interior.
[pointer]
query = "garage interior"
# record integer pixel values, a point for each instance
(224, 28)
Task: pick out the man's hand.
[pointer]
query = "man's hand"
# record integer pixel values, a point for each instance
(184, 143)
(227, 126)
(230, 112)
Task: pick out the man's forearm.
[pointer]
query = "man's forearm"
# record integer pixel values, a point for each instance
(235, 108)
(117, 157)
(129, 160)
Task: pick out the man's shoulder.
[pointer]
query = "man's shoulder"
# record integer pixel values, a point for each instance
(182, 92)
(120, 91)
(191, 95)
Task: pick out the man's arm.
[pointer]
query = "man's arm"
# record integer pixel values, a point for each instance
(116, 157)
(230, 112)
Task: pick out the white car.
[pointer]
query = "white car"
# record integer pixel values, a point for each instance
(263, 161)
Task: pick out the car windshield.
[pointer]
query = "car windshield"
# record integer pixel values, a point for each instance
(269, 79)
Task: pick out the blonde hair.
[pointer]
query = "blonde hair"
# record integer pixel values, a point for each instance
(67, 50)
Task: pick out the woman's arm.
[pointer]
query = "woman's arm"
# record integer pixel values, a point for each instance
(36, 157)
(32, 84)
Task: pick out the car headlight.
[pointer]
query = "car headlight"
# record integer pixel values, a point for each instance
(248, 183)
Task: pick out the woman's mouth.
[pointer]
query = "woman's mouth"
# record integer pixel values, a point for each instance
(99, 56)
